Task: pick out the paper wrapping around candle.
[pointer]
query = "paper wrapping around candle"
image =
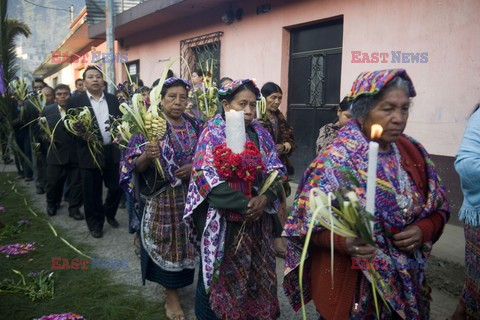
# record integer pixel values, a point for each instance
(235, 130)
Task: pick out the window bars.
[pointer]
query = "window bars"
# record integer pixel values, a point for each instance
(197, 51)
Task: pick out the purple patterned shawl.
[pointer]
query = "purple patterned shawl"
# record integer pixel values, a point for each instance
(344, 165)
(205, 177)
(136, 146)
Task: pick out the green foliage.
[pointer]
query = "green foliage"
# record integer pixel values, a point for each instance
(89, 292)
(36, 285)
(10, 29)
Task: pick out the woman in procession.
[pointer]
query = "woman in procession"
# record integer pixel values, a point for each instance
(232, 222)
(410, 212)
(329, 131)
(282, 135)
(167, 255)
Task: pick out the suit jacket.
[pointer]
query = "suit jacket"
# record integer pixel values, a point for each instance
(63, 149)
(111, 152)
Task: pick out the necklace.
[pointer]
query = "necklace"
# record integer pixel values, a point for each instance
(184, 146)
(180, 128)
(400, 183)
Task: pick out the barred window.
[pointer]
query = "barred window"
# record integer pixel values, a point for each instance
(197, 51)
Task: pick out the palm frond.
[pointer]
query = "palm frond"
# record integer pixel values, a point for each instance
(10, 29)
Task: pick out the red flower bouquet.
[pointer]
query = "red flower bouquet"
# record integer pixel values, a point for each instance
(244, 166)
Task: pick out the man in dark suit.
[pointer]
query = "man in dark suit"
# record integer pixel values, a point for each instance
(62, 160)
(101, 105)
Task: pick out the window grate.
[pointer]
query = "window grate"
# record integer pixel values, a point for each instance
(197, 51)
(316, 80)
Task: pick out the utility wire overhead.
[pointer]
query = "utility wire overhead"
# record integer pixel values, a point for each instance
(38, 5)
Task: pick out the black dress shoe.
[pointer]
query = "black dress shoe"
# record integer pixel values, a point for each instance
(40, 190)
(113, 222)
(51, 210)
(96, 233)
(76, 214)
(29, 179)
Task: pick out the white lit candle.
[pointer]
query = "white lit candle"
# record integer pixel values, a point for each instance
(257, 108)
(235, 130)
(376, 132)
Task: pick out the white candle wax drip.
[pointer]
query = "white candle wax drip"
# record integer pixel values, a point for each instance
(235, 130)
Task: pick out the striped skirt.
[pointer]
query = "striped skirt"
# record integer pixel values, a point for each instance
(167, 279)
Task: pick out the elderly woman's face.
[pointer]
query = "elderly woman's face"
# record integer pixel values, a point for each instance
(392, 114)
(175, 102)
(273, 101)
(343, 116)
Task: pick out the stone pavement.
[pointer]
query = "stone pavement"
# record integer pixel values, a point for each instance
(118, 244)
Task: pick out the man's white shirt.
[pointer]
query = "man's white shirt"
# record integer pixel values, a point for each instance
(100, 107)
(62, 112)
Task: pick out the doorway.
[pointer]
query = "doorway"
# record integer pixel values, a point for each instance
(314, 85)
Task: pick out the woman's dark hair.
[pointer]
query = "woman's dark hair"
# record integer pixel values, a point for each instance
(176, 83)
(199, 72)
(220, 83)
(269, 88)
(143, 89)
(169, 75)
(344, 105)
(361, 107)
(246, 86)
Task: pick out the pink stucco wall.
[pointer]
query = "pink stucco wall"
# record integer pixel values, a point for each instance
(448, 85)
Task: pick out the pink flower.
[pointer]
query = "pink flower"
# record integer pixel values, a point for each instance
(62, 316)
(17, 248)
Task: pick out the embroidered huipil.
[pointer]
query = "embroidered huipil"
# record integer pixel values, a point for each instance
(165, 234)
(344, 165)
(241, 279)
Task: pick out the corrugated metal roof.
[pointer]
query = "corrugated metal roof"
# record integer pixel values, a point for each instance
(96, 9)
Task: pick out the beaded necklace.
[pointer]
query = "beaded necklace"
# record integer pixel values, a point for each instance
(183, 141)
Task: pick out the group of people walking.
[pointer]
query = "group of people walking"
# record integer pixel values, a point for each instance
(212, 213)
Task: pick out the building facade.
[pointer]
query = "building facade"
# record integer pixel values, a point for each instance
(314, 50)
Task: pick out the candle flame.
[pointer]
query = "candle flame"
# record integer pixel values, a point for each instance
(376, 131)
